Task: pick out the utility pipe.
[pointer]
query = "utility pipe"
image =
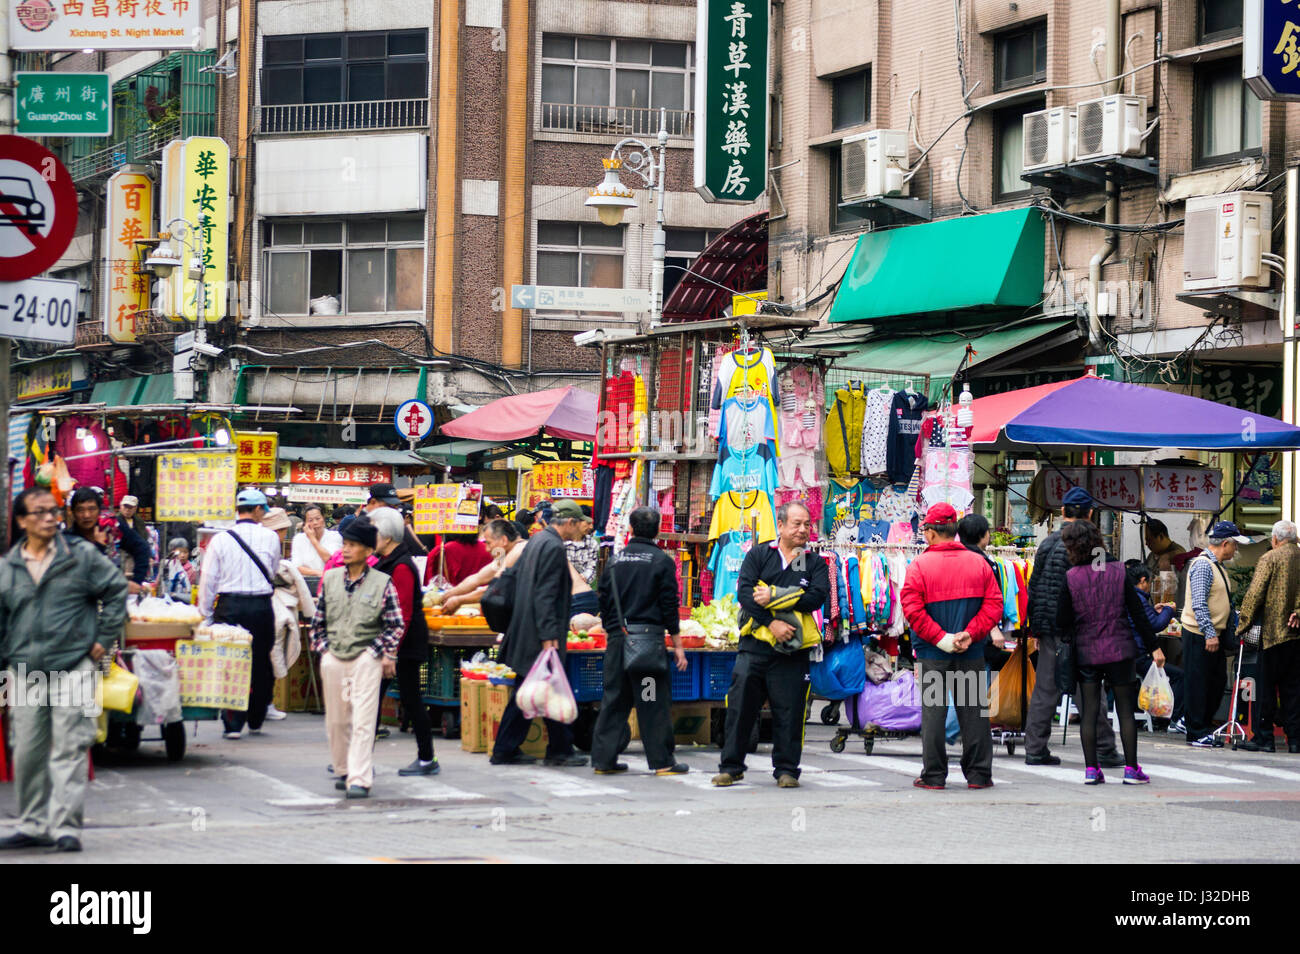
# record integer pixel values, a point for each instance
(1114, 67)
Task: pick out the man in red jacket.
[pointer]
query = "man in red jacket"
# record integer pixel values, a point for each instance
(951, 600)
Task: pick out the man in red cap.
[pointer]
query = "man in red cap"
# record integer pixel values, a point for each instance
(951, 600)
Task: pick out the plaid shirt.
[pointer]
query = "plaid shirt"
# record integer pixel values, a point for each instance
(385, 643)
(1200, 579)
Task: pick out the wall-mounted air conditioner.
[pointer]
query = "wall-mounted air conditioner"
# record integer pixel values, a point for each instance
(1049, 137)
(1223, 238)
(1111, 126)
(873, 164)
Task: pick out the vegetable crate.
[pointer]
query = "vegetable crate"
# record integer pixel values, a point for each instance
(715, 673)
(586, 672)
(439, 677)
(686, 685)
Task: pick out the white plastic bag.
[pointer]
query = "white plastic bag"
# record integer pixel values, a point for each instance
(1156, 694)
(545, 690)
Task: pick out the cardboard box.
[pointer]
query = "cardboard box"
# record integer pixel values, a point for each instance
(535, 743)
(497, 697)
(138, 630)
(294, 693)
(495, 700)
(473, 705)
(388, 711)
(691, 724)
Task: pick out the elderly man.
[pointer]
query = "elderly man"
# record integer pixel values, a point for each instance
(1045, 585)
(1208, 617)
(1271, 601)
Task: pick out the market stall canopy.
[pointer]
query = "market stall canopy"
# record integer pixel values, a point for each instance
(1094, 412)
(568, 413)
(735, 261)
(991, 261)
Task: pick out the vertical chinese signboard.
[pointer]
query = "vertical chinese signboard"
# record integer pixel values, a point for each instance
(130, 217)
(206, 165)
(731, 99)
(194, 487)
(171, 206)
(256, 459)
(105, 24)
(1270, 61)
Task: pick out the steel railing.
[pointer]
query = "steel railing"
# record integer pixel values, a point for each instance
(368, 114)
(137, 147)
(615, 120)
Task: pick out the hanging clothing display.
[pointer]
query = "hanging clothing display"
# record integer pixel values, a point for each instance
(843, 432)
(905, 413)
(875, 432)
(747, 372)
(747, 447)
(803, 399)
(737, 510)
(810, 497)
(724, 563)
(947, 477)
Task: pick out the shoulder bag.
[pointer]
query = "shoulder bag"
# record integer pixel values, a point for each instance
(644, 653)
(498, 601)
(253, 556)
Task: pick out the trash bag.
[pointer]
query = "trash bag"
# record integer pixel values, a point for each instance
(893, 705)
(1004, 692)
(842, 671)
(1156, 694)
(879, 668)
(545, 690)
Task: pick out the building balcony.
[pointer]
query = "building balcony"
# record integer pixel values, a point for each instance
(342, 117)
(615, 120)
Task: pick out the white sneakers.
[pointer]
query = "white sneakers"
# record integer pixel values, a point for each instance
(233, 735)
(274, 714)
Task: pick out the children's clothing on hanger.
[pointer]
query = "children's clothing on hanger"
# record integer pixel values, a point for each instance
(737, 510)
(875, 431)
(905, 414)
(843, 432)
(747, 447)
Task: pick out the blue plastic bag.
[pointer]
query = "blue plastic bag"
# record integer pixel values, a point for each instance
(842, 671)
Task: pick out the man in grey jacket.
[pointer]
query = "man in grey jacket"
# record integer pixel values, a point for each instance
(62, 604)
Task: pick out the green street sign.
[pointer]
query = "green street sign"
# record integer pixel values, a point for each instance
(63, 104)
(731, 99)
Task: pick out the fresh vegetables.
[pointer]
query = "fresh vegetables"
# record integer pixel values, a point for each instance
(584, 622)
(718, 620)
(497, 673)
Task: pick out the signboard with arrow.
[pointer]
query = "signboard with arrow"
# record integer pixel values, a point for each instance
(63, 104)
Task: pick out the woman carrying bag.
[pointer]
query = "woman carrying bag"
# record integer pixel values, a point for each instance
(638, 605)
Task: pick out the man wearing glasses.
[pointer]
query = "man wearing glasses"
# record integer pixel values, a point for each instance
(62, 605)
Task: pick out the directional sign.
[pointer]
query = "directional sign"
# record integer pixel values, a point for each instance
(106, 25)
(413, 420)
(574, 298)
(38, 208)
(39, 309)
(63, 104)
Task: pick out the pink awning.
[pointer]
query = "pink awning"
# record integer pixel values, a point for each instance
(568, 413)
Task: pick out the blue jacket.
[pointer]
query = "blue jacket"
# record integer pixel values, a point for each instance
(1158, 619)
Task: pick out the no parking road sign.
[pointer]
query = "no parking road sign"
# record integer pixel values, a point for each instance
(38, 209)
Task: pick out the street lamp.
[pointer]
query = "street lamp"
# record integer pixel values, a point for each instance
(611, 199)
(165, 259)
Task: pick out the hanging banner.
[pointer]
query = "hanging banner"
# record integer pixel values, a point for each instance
(447, 508)
(1181, 488)
(325, 494)
(105, 25)
(214, 675)
(193, 488)
(129, 217)
(256, 458)
(563, 478)
(731, 99)
(1116, 487)
(206, 163)
(337, 475)
(18, 424)
(171, 206)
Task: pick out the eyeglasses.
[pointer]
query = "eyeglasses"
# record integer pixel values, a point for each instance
(43, 512)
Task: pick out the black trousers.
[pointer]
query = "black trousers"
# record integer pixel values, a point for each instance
(1279, 674)
(408, 684)
(514, 730)
(256, 615)
(1206, 676)
(652, 696)
(1177, 682)
(780, 680)
(383, 694)
(965, 682)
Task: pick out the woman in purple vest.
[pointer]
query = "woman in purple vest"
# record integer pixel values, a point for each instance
(1096, 605)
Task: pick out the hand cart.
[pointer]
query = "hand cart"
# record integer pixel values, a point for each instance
(125, 734)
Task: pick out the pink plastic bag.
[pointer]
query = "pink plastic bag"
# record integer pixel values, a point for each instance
(893, 705)
(545, 690)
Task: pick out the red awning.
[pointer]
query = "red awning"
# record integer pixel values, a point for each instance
(567, 413)
(736, 260)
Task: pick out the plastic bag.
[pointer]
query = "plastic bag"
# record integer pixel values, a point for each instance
(119, 688)
(1004, 691)
(893, 705)
(842, 671)
(1156, 694)
(545, 690)
(879, 668)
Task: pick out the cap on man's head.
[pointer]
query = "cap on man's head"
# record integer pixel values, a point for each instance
(940, 515)
(129, 501)
(250, 497)
(361, 530)
(385, 494)
(1226, 530)
(1077, 497)
(566, 509)
(277, 519)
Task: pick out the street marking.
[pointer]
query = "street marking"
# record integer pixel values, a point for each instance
(1257, 770)
(286, 795)
(828, 779)
(1186, 775)
(561, 785)
(1061, 774)
(896, 764)
(422, 789)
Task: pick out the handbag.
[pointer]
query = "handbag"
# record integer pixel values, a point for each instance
(644, 653)
(498, 602)
(1066, 676)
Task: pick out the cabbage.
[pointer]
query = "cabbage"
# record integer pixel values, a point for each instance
(719, 618)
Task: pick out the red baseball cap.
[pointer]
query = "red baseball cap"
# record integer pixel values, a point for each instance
(939, 515)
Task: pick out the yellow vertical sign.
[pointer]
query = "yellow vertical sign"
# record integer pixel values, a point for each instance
(207, 207)
(130, 217)
(170, 207)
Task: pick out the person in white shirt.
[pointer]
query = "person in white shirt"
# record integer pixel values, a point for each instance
(313, 544)
(235, 587)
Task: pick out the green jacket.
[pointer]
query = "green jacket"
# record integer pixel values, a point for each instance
(81, 600)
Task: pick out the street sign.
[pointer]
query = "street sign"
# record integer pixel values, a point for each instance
(1270, 59)
(731, 99)
(63, 104)
(39, 309)
(129, 202)
(413, 420)
(38, 209)
(103, 25)
(574, 298)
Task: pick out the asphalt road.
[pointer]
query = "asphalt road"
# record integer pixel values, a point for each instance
(268, 798)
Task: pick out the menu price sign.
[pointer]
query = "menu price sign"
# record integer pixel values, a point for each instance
(447, 508)
(214, 675)
(257, 454)
(340, 475)
(563, 478)
(1181, 488)
(1116, 487)
(195, 487)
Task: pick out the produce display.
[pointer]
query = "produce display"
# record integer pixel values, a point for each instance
(465, 616)
(585, 633)
(151, 609)
(718, 622)
(499, 674)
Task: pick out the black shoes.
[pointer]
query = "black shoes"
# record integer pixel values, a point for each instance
(341, 784)
(1257, 745)
(677, 768)
(1111, 761)
(517, 759)
(1047, 758)
(617, 769)
(356, 791)
(20, 840)
(565, 761)
(68, 843)
(421, 768)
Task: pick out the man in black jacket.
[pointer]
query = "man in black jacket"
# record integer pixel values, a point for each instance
(764, 672)
(540, 621)
(1045, 586)
(645, 580)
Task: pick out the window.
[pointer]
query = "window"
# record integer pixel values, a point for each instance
(1009, 151)
(1228, 117)
(587, 255)
(371, 266)
(851, 99)
(615, 85)
(683, 247)
(843, 219)
(1219, 19)
(1021, 57)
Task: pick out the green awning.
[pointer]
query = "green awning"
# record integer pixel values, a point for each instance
(991, 261)
(940, 357)
(157, 389)
(116, 393)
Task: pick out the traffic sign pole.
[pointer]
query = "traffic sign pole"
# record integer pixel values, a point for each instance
(6, 127)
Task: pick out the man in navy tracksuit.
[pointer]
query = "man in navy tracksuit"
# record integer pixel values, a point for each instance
(951, 600)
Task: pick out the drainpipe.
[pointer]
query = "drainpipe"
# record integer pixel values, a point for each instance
(1114, 61)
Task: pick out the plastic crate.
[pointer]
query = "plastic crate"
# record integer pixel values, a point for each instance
(440, 676)
(586, 672)
(686, 685)
(715, 674)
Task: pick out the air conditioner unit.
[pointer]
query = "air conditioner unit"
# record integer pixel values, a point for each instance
(873, 164)
(1223, 236)
(1111, 126)
(1049, 137)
